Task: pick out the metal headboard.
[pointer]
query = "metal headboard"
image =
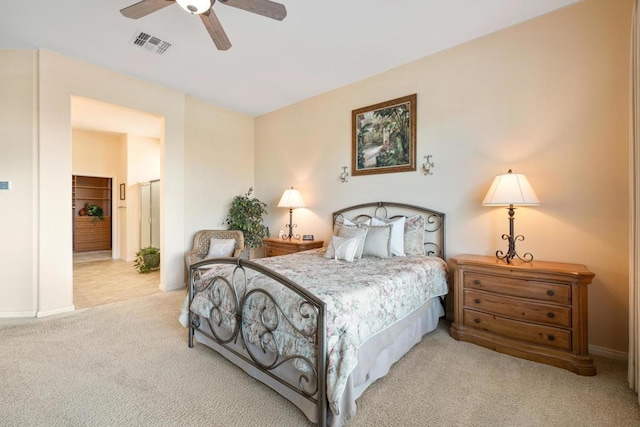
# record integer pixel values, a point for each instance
(434, 233)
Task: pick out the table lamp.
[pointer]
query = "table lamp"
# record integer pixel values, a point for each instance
(291, 199)
(511, 189)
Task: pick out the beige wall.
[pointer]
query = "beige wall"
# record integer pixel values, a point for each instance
(219, 164)
(36, 89)
(548, 98)
(18, 144)
(143, 159)
(39, 87)
(96, 154)
(143, 165)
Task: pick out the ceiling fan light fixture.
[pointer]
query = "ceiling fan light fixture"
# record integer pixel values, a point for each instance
(195, 6)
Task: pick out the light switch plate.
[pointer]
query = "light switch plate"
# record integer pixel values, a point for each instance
(4, 185)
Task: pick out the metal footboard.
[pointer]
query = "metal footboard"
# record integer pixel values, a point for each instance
(233, 314)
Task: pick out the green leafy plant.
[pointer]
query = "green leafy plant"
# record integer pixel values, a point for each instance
(147, 259)
(96, 212)
(245, 214)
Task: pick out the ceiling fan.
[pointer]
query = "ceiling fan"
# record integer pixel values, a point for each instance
(204, 8)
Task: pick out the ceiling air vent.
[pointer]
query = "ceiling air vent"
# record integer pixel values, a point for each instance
(149, 42)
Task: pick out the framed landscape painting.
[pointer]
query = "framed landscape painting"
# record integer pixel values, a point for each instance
(384, 137)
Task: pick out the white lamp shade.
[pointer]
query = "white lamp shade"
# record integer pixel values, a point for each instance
(291, 199)
(195, 6)
(511, 189)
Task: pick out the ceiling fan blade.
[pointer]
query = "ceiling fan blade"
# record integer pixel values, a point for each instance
(219, 37)
(267, 8)
(144, 8)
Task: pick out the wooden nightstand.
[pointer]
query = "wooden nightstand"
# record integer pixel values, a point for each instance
(274, 246)
(536, 311)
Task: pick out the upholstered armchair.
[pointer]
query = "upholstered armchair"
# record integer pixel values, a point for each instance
(201, 244)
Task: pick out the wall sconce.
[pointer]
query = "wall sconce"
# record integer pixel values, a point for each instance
(427, 165)
(344, 176)
(291, 199)
(511, 189)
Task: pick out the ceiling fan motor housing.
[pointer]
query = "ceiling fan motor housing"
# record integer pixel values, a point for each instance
(195, 6)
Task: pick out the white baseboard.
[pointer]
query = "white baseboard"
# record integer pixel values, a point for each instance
(172, 288)
(56, 311)
(608, 353)
(10, 314)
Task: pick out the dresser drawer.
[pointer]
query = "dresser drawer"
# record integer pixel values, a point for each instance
(539, 290)
(518, 309)
(277, 251)
(537, 334)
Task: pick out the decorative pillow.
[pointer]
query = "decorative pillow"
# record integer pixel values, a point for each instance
(397, 233)
(221, 248)
(377, 242)
(341, 220)
(353, 231)
(347, 221)
(414, 235)
(342, 248)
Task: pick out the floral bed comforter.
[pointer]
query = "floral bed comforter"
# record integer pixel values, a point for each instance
(363, 298)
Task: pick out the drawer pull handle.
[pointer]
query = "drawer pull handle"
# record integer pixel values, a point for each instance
(476, 282)
(550, 293)
(551, 315)
(476, 320)
(477, 300)
(551, 337)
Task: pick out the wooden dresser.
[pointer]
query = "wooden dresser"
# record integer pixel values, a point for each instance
(536, 310)
(274, 246)
(92, 234)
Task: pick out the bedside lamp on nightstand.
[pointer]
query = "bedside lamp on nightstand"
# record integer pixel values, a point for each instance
(511, 189)
(291, 199)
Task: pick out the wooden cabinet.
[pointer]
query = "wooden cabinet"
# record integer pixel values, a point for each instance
(89, 232)
(536, 310)
(92, 235)
(274, 246)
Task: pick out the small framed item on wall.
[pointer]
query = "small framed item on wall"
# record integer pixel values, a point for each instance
(384, 137)
(123, 191)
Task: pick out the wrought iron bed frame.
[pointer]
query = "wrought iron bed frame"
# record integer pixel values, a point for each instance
(309, 304)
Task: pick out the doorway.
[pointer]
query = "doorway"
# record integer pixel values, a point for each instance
(108, 144)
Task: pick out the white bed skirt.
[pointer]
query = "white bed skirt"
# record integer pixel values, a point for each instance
(375, 358)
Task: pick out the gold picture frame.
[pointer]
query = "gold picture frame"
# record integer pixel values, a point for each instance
(383, 137)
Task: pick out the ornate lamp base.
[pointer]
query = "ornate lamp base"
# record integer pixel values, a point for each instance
(511, 252)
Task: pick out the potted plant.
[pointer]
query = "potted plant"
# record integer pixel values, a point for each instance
(147, 259)
(95, 212)
(245, 214)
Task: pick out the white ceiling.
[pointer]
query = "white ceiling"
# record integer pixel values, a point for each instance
(319, 46)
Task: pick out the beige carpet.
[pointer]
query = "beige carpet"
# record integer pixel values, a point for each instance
(128, 363)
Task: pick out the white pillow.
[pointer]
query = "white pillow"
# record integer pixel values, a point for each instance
(397, 233)
(353, 231)
(221, 248)
(342, 248)
(377, 242)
